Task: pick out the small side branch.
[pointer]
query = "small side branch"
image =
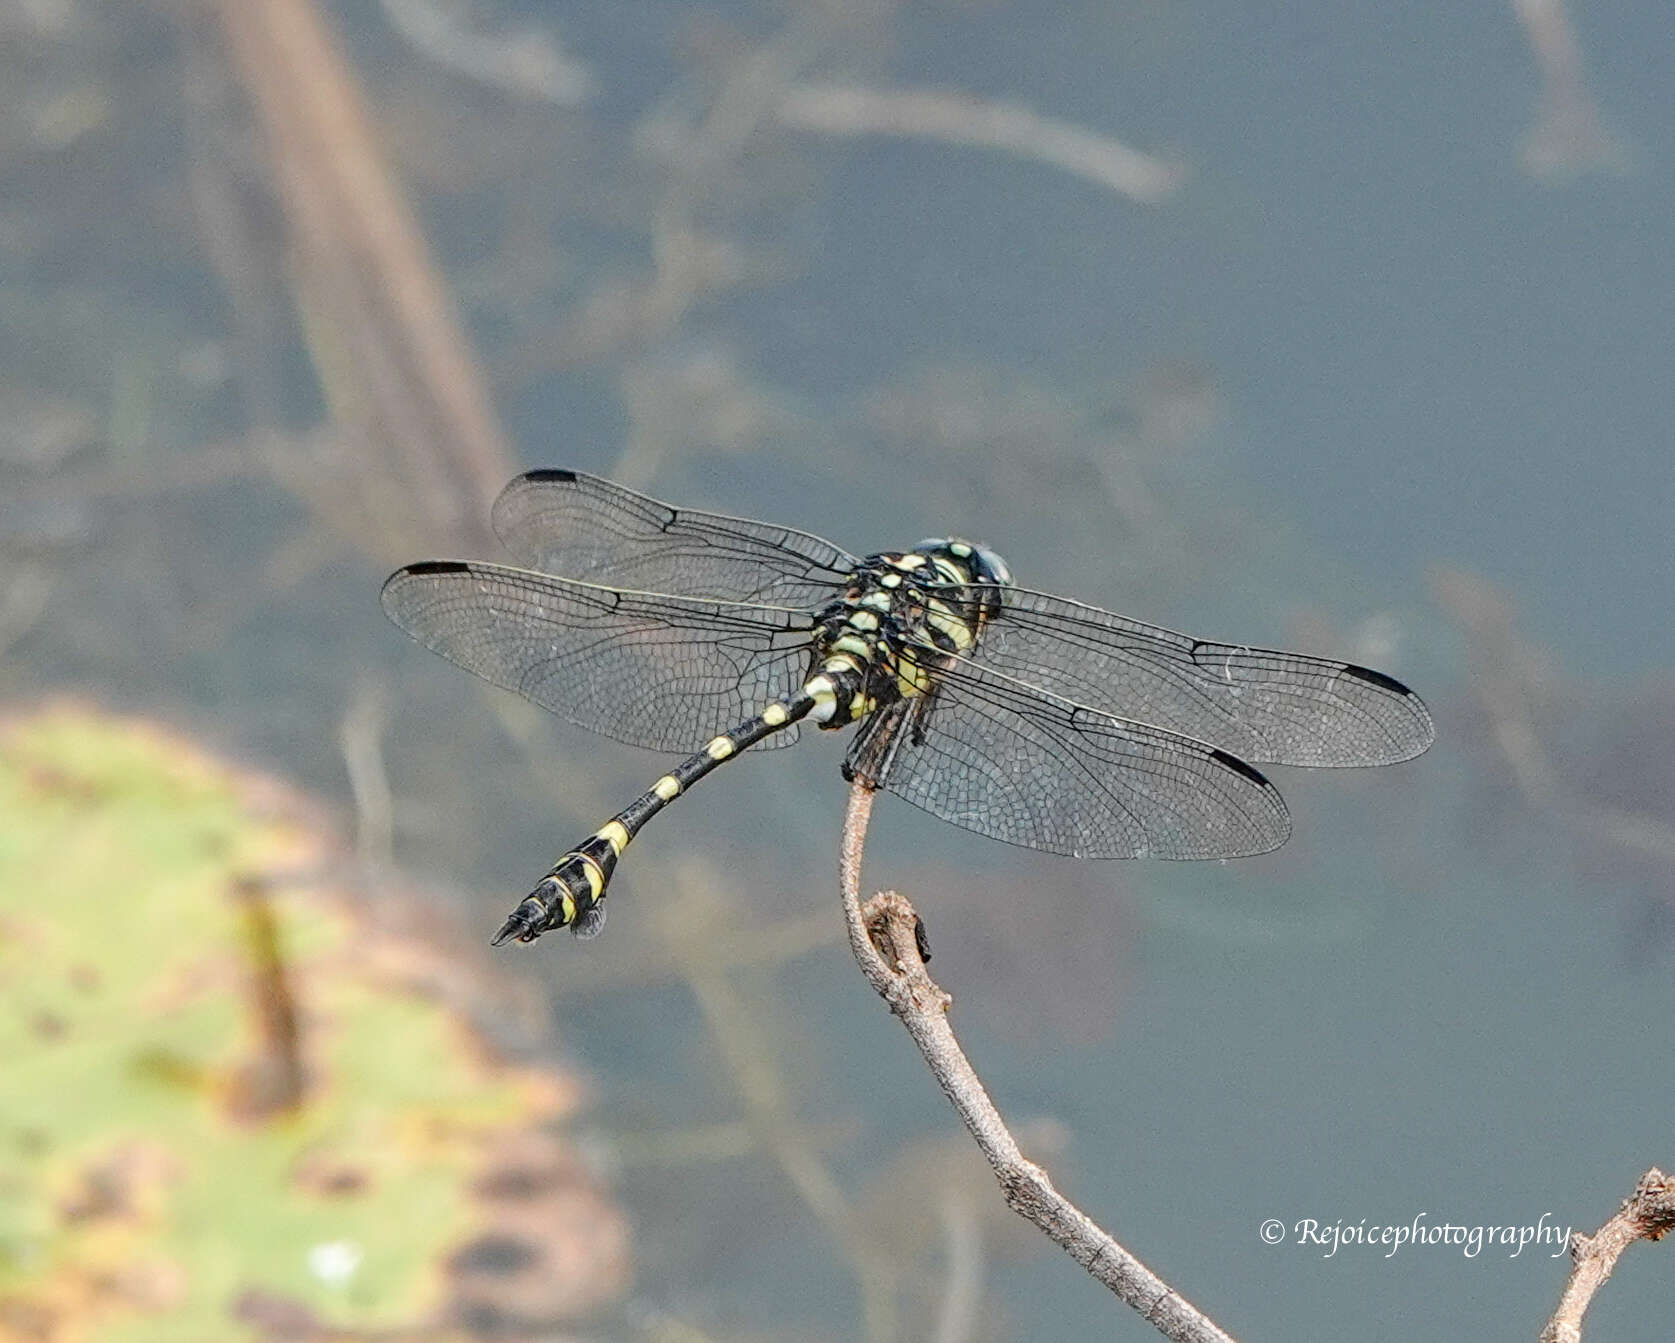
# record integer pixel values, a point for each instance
(1647, 1214)
(884, 935)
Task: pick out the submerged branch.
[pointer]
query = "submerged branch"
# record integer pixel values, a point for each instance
(392, 357)
(885, 936)
(1569, 137)
(1501, 668)
(740, 1031)
(957, 118)
(526, 63)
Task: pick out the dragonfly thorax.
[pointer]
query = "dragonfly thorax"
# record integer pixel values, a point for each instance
(901, 617)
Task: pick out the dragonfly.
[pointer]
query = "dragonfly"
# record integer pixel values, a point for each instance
(1029, 718)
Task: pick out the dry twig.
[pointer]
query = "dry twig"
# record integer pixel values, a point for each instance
(1647, 1214)
(884, 935)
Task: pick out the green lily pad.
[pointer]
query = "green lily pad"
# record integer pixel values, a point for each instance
(231, 1106)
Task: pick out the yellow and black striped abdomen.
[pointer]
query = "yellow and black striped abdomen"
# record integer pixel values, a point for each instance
(573, 891)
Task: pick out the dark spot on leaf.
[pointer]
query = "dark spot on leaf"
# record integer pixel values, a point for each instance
(499, 1255)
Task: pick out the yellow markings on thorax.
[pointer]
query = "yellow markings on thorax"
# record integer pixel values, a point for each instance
(774, 715)
(942, 617)
(912, 678)
(909, 561)
(667, 788)
(866, 621)
(853, 644)
(615, 833)
(720, 748)
(566, 907)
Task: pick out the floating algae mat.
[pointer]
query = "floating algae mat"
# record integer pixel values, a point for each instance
(230, 1108)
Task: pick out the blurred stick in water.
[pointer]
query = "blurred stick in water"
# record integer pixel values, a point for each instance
(1504, 671)
(957, 118)
(360, 738)
(410, 406)
(1569, 136)
(526, 62)
(887, 939)
(739, 1029)
(962, 1298)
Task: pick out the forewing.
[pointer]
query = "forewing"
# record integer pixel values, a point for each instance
(577, 525)
(651, 670)
(1007, 761)
(1259, 704)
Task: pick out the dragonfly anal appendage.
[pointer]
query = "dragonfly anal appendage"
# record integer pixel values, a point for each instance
(526, 922)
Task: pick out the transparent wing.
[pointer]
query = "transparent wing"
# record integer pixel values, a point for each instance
(668, 673)
(1256, 703)
(577, 525)
(1001, 758)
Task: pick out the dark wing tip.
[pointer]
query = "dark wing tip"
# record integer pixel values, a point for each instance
(1239, 766)
(423, 567)
(387, 594)
(1268, 831)
(397, 598)
(556, 475)
(1378, 679)
(1425, 731)
(1276, 828)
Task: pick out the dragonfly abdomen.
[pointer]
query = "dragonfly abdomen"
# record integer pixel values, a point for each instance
(572, 893)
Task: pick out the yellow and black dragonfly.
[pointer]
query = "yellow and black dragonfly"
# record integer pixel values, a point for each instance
(1029, 718)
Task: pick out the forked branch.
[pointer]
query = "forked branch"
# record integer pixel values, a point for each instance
(885, 937)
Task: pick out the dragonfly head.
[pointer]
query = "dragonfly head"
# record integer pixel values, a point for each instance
(983, 564)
